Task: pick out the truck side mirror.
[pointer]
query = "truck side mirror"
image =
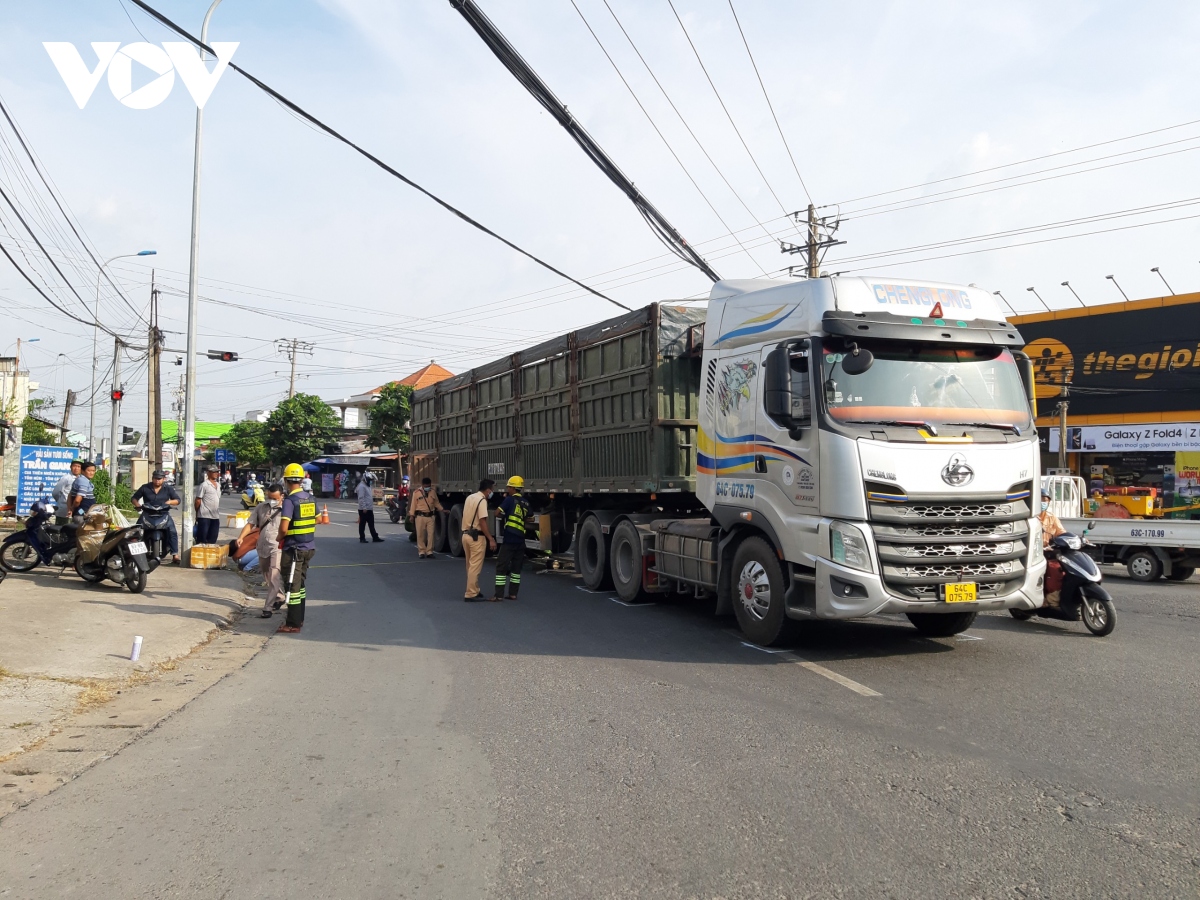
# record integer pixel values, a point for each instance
(778, 389)
(786, 393)
(1025, 368)
(857, 360)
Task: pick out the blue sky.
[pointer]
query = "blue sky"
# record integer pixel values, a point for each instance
(871, 97)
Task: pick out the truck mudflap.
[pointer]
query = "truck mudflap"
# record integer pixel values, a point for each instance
(844, 593)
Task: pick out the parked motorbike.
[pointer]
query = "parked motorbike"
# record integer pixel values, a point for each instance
(41, 543)
(108, 547)
(1081, 595)
(155, 522)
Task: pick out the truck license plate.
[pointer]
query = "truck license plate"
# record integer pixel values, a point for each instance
(959, 592)
(136, 547)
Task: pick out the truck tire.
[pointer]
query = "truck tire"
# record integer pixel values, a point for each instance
(591, 556)
(758, 587)
(625, 563)
(441, 533)
(1181, 573)
(944, 624)
(1144, 566)
(454, 530)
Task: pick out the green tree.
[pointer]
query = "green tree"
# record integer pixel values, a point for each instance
(390, 417)
(248, 441)
(35, 434)
(299, 429)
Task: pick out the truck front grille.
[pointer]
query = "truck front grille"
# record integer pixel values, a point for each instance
(926, 542)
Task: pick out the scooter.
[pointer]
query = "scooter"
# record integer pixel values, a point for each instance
(41, 543)
(394, 506)
(252, 496)
(155, 522)
(116, 553)
(1081, 594)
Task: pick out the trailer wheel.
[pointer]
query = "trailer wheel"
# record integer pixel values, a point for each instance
(758, 594)
(625, 563)
(1144, 566)
(454, 530)
(440, 533)
(1181, 573)
(591, 556)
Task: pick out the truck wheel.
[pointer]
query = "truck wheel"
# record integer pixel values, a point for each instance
(454, 530)
(625, 563)
(1181, 573)
(758, 594)
(591, 556)
(1144, 566)
(944, 624)
(440, 534)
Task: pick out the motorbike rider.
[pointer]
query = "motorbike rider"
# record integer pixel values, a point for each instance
(1051, 528)
(157, 492)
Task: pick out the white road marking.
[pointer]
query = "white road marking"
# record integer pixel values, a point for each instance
(580, 587)
(623, 603)
(840, 679)
(967, 637)
(764, 649)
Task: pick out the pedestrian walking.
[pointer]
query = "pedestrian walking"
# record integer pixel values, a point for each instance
(266, 518)
(514, 513)
(62, 493)
(366, 509)
(424, 507)
(297, 539)
(208, 508)
(476, 539)
(82, 495)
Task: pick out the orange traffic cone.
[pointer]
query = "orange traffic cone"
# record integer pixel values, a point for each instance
(324, 518)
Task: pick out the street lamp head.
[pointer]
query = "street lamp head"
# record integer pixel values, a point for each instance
(1109, 277)
(147, 253)
(1155, 269)
(1066, 284)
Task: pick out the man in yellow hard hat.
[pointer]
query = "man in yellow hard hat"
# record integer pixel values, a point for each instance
(514, 513)
(297, 538)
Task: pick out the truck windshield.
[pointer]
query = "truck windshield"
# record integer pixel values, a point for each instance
(934, 384)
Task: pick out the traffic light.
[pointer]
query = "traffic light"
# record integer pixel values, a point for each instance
(223, 355)
(128, 435)
(117, 395)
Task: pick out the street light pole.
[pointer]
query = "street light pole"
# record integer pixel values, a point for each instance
(1067, 285)
(95, 338)
(114, 429)
(189, 397)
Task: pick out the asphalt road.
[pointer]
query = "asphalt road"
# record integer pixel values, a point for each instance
(408, 744)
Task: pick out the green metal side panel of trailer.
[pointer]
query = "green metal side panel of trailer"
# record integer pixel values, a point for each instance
(609, 409)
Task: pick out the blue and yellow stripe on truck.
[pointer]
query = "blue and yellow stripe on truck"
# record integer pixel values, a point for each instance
(726, 456)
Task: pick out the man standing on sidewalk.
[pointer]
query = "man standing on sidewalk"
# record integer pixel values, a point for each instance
(423, 507)
(514, 512)
(265, 518)
(62, 493)
(475, 537)
(297, 539)
(366, 509)
(208, 508)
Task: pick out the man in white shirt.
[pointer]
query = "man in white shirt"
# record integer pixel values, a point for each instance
(62, 492)
(366, 509)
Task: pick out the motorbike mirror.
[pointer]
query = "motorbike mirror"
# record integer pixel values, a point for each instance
(857, 361)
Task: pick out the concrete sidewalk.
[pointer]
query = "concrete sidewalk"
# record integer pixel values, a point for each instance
(65, 644)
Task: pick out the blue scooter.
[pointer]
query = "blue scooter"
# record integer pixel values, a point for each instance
(41, 543)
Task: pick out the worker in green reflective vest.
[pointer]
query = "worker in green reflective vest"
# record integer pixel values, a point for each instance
(297, 539)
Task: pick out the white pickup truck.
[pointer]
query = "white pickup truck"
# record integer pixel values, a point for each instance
(1149, 548)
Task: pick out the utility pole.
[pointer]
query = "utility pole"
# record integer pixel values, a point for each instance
(292, 349)
(820, 232)
(114, 431)
(66, 415)
(154, 393)
(1062, 421)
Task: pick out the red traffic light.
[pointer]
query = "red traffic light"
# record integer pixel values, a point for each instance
(117, 396)
(223, 355)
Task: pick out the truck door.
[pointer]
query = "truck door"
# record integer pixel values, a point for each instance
(736, 394)
(784, 464)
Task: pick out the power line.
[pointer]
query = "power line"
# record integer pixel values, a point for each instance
(770, 105)
(1020, 162)
(658, 131)
(520, 69)
(267, 89)
(736, 131)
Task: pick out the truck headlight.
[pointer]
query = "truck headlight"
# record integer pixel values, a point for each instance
(848, 546)
(1035, 542)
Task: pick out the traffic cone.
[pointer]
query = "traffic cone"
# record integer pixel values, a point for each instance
(324, 519)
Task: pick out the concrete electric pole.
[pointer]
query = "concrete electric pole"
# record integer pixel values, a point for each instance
(154, 391)
(114, 431)
(292, 349)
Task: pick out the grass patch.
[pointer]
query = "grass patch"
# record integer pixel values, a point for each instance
(24, 772)
(21, 725)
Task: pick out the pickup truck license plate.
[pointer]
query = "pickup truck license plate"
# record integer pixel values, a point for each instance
(959, 592)
(136, 547)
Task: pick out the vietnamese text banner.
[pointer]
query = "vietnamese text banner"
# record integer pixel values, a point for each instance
(40, 469)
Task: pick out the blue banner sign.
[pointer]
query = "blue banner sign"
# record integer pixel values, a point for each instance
(40, 469)
(224, 456)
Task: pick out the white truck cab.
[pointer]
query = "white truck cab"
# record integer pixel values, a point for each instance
(878, 436)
